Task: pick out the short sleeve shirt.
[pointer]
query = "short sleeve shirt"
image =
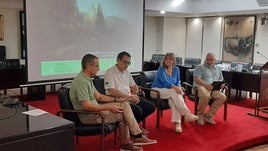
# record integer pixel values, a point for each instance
(82, 89)
(207, 74)
(116, 79)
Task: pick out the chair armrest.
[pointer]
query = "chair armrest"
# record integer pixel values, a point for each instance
(188, 88)
(226, 91)
(153, 90)
(82, 112)
(141, 93)
(185, 84)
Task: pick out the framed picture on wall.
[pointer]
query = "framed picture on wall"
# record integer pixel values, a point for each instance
(238, 40)
(1, 27)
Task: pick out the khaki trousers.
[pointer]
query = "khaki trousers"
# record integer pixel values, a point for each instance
(127, 121)
(205, 96)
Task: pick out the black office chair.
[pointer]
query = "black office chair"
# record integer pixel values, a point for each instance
(157, 58)
(192, 62)
(67, 111)
(188, 86)
(256, 66)
(178, 60)
(144, 81)
(240, 66)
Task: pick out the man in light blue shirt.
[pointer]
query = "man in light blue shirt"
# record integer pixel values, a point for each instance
(204, 75)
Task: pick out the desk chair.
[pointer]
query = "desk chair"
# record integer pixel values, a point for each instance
(256, 66)
(192, 62)
(157, 57)
(188, 86)
(178, 60)
(240, 66)
(67, 111)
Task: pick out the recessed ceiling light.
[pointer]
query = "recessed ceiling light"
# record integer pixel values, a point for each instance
(162, 12)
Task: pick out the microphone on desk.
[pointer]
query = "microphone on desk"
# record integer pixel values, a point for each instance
(262, 55)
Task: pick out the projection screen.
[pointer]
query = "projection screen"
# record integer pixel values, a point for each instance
(60, 32)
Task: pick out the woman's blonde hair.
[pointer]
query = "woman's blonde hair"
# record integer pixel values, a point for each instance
(169, 55)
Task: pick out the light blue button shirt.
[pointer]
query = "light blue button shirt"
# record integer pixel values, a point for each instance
(207, 74)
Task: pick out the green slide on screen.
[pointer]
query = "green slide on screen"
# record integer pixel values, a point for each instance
(50, 68)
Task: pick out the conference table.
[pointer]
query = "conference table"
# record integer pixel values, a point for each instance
(242, 81)
(33, 132)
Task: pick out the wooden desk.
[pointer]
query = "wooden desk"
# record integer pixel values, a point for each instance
(47, 132)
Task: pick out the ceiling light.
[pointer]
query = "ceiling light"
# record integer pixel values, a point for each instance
(176, 3)
(162, 12)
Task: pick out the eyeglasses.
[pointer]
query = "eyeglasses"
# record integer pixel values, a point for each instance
(96, 66)
(126, 62)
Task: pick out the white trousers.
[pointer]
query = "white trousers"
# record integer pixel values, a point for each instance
(175, 101)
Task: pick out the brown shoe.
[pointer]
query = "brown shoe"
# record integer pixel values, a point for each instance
(143, 141)
(130, 147)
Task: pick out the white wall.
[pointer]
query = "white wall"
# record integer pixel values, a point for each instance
(202, 35)
(150, 37)
(261, 42)
(174, 36)
(212, 37)
(153, 37)
(162, 35)
(194, 37)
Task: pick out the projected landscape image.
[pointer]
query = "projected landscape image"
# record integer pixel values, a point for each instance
(62, 34)
(90, 27)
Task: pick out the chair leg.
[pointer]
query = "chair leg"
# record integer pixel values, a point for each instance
(158, 118)
(195, 107)
(225, 111)
(161, 113)
(115, 133)
(77, 140)
(143, 123)
(102, 143)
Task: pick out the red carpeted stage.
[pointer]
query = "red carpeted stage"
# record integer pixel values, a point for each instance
(238, 132)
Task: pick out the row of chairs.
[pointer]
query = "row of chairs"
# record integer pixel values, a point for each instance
(144, 80)
(193, 62)
(188, 61)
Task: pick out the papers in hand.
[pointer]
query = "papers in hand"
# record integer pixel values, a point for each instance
(217, 85)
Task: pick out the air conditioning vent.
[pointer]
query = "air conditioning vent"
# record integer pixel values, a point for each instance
(262, 3)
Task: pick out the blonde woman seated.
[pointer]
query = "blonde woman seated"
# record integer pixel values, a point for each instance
(167, 82)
